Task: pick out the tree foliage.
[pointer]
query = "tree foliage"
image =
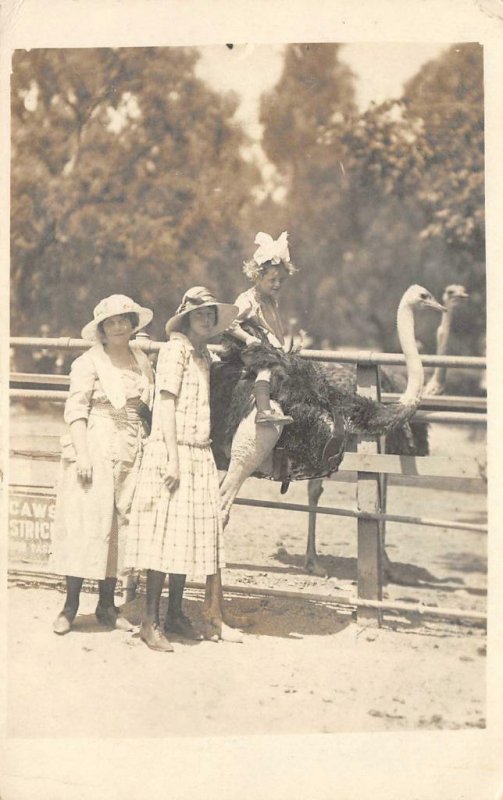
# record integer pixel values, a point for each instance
(447, 96)
(127, 176)
(384, 198)
(314, 92)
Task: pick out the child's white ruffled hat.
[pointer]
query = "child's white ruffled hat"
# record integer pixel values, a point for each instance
(199, 297)
(110, 307)
(269, 251)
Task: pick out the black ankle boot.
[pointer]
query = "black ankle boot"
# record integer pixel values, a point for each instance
(110, 617)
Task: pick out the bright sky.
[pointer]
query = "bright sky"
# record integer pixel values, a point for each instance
(380, 68)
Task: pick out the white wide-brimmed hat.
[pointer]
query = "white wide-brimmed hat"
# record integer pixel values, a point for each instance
(201, 297)
(110, 307)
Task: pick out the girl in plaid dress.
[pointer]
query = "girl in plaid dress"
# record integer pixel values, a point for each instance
(176, 525)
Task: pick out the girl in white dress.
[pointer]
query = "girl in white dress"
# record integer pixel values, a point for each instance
(111, 389)
(176, 525)
(268, 269)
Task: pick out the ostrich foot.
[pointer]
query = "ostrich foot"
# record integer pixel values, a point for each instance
(215, 629)
(313, 567)
(209, 631)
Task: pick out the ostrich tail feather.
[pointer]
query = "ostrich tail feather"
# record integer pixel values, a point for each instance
(420, 436)
(409, 439)
(368, 416)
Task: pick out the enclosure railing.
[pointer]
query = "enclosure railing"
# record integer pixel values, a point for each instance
(372, 467)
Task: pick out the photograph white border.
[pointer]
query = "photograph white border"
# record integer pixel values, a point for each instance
(455, 765)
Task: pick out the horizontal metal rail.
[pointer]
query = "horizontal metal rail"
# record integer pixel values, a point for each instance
(344, 355)
(336, 512)
(373, 358)
(348, 604)
(19, 380)
(346, 512)
(450, 417)
(61, 343)
(52, 395)
(451, 402)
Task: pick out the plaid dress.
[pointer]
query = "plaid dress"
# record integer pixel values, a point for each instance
(179, 531)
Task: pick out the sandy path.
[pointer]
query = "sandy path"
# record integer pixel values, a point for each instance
(303, 666)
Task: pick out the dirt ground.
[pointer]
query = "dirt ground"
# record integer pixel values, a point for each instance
(304, 665)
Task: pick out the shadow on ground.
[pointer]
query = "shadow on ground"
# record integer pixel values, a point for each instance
(466, 562)
(346, 569)
(272, 616)
(414, 575)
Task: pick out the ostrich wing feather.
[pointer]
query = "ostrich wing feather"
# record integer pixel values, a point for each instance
(297, 382)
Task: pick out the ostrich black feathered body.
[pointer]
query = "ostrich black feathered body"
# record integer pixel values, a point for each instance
(408, 438)
(306, 390)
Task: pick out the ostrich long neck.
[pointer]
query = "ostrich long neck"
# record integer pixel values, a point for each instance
(415, 372)
(443, 333)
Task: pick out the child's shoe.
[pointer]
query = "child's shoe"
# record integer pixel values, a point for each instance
(272, 417)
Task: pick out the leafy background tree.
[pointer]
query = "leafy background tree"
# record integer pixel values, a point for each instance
(384, 198)
(127, 177)
(130, 174)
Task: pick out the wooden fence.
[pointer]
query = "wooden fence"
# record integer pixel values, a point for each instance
(372, 467)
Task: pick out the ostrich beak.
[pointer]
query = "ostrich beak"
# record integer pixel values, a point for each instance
(432, 303)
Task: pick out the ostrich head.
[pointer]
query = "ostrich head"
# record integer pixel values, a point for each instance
(419, 297)
(416, 297)
(453, 295)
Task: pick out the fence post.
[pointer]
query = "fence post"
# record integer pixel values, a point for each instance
(368, 495)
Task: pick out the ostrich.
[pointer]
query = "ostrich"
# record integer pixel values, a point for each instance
(307, 392)
(407, 440)
(451, 298)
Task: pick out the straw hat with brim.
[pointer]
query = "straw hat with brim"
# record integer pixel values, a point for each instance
(111, 307)
(200, 297)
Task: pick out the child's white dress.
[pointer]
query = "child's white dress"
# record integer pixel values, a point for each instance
(179, 531)
(263, 311)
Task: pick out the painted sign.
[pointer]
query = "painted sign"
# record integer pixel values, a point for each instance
(31, 521)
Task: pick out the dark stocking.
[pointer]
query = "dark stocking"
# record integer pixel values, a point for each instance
(106, 590)
(155, 583)
(176, 587)
(73, 587)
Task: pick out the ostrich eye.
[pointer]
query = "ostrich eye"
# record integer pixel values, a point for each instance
(424, 295)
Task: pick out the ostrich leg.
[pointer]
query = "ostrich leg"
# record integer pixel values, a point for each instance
(387, 564)
(311, 563)
(251, 447)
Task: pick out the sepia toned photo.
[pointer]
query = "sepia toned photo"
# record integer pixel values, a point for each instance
(147, 173)
(247, 483)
